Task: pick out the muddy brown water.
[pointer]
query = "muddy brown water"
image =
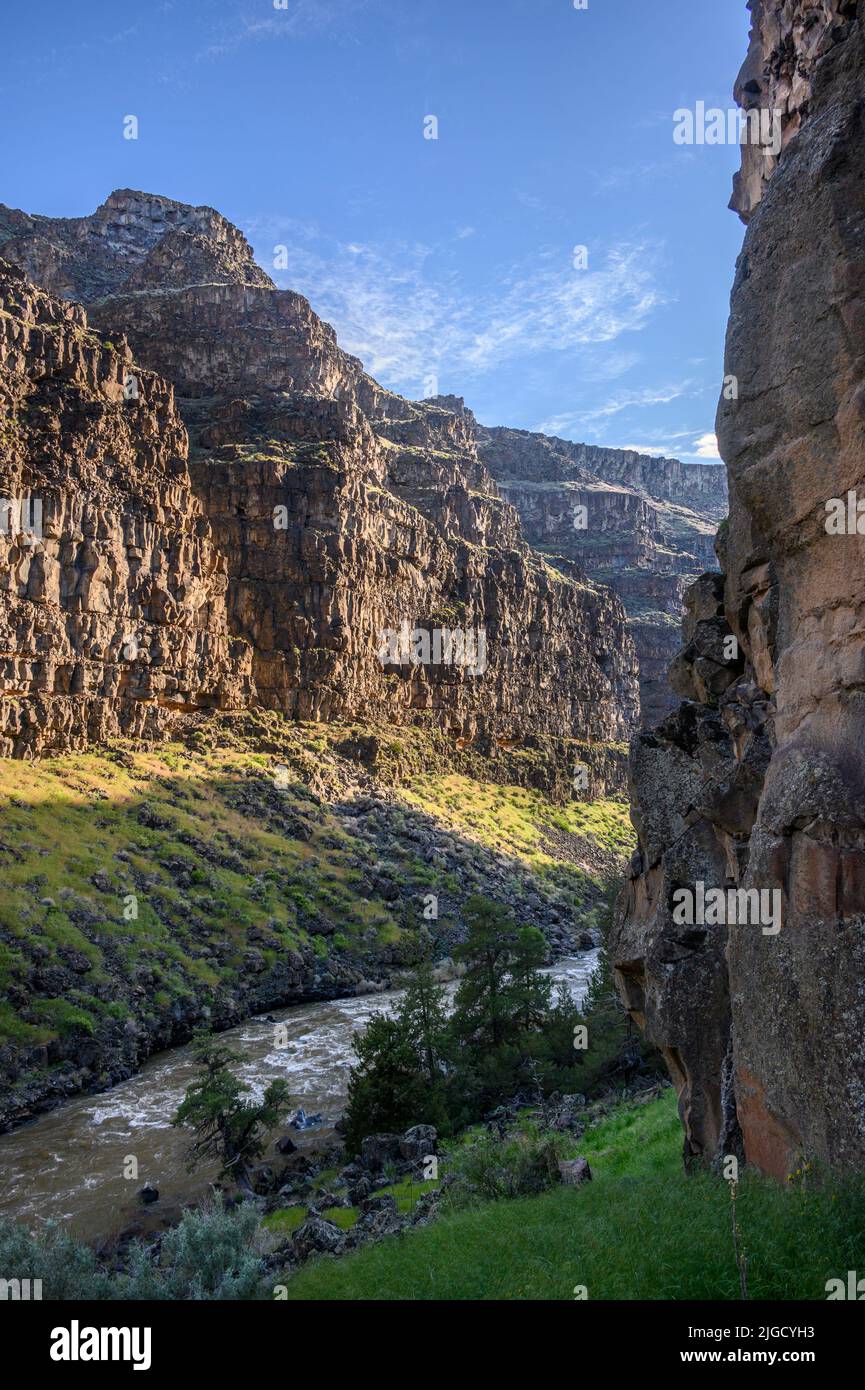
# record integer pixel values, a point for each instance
(68, 1166)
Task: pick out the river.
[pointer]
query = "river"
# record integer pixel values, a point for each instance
(68, 1165)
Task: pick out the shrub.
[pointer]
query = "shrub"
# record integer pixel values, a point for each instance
(64, 1017)
(487, 1169)
(209, 1255)
(68, 1271)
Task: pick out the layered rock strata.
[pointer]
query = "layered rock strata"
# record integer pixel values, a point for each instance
(112, 591)
(643, 526)
(355, 556)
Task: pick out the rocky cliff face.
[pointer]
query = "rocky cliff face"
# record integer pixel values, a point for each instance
(115, 616)
(789, 39)
(647, 530)
(757, 782)
(284, 533)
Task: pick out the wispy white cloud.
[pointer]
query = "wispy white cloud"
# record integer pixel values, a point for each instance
(405, 312)
(548, 305)
(648, 397)
(245, 23)
(707, 446)
(591, 422)
(621, 176)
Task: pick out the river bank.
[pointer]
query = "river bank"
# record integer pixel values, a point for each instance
(70, 1164)
(153, 892)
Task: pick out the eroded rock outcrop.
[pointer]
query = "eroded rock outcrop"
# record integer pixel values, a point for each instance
(646, 531)
(114, 618)
(757, 782)
(323, 512)
(788, 40)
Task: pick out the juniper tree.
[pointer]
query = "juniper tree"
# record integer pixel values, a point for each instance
(226, 1126)
(387, 1088)
(529, 993)
(481, 1003)
(423, 1016)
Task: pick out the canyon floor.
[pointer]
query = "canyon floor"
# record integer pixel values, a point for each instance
(251, 862)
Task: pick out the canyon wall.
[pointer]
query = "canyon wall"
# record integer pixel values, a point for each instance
(757, 781)
(115, 616)
(647, 531)
(249, 539)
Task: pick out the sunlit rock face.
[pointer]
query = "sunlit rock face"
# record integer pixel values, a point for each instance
(762, 769)
(788, 42)
(263, 514)
(112, 606)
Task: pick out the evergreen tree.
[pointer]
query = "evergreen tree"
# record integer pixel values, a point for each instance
(387, 1089)
(481, 1004)
(530, 994)
(505, 1035)
(423, 1015)
(226, 1126)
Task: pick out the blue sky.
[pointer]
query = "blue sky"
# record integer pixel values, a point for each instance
(445, 262)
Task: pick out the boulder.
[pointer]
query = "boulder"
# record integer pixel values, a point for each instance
(379, 1217)
(358, 1190)
(376, 1150)
(418, 1143)
(264, 1179)
(566, 1112)
(574, 1171)
(317, 1236)
(426, 1207)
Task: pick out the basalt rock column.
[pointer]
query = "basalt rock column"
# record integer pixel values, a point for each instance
(112, 603)
(339, 512)
(764, 772)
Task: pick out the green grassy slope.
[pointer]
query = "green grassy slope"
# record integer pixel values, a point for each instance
(640, 1230)
(148, 890)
